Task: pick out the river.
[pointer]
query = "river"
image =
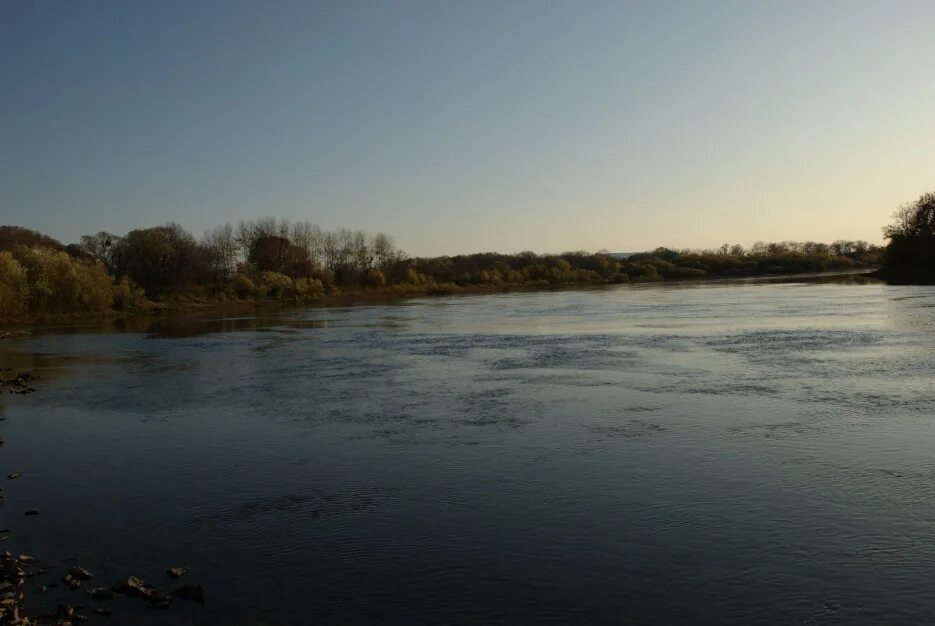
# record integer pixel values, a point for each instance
(698, 453)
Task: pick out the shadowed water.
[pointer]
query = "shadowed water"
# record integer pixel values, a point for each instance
(665, 454)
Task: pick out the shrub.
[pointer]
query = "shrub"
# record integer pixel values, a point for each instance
(59, 283)
(278, 286)
(14, 288)
(127, 295)
(244, 287)
(374, 278)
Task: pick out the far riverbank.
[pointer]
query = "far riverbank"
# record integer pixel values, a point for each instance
(181, 306)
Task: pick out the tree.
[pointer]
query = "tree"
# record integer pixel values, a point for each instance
(308, 236)
(910, 252)
(273, 253)
(384, 251)
(101, 246)
(330, 251)
(161, 259)
(362, 254)
(222, 250)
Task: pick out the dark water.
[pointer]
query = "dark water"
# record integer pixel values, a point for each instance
(706, 454)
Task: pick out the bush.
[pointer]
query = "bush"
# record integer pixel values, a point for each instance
(413, 277)
(14, 288)
(127, 295)
(278, 286)
(374, 278)
(60, 284)
(244, 287)
(93, 286)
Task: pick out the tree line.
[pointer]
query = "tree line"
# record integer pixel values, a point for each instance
(300, 262)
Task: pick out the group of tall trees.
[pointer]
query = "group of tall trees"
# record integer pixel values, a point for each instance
(167, 258)
(910, 253)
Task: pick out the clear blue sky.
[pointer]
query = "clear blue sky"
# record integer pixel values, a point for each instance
(470, 125)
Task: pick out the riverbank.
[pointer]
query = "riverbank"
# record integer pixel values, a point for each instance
(30, 593)
(232, 305)
(186, 305)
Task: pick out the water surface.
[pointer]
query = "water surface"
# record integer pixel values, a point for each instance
(660, 454)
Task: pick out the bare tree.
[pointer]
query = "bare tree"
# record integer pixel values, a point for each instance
(330, 250)
(267, 227)
(246, 235)
(223, 247)
(384, 250)
(345, 248)
(301, 235)
(101, 246)
(362, 253)
(315, 242)
(284, 229)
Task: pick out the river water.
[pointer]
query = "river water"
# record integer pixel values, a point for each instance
(718, 453)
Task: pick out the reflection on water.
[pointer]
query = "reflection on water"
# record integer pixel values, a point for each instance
(727, 453)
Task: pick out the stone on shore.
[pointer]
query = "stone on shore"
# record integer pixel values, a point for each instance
(134, 586)
(80, 573)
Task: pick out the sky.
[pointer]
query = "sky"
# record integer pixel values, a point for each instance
(471, 125)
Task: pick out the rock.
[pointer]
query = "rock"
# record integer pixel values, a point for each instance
(176, 572)
(101, 593)
(133, 586)
(72, 582)
(103, 611)
(25, 559)
(80, 573)
(195, 593)
(14, 475)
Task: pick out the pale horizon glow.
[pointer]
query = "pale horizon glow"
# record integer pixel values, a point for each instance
(473, 126)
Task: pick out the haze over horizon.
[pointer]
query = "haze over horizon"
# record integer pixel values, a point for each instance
(465, 127)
